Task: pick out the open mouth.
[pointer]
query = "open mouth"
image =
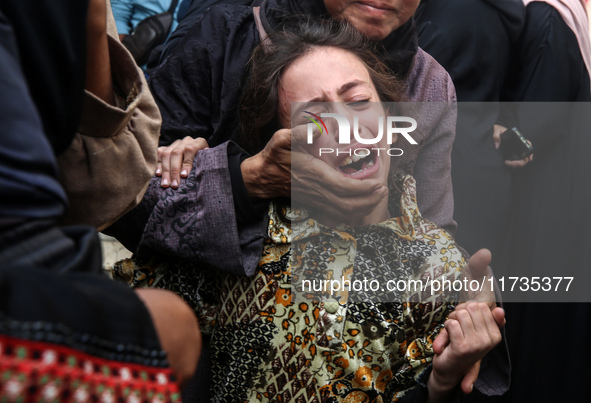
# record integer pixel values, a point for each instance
(356, 164)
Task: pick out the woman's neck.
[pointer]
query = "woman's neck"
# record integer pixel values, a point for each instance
(379, 214)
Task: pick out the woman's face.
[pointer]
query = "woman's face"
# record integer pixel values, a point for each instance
(375, 19)
(331, 80)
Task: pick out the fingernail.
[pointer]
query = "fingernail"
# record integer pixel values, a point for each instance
(164, 182)
(158, 171)
(471, 388)
(184, 172)
(175, 184)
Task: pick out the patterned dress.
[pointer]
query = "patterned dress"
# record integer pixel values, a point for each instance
(274, 341)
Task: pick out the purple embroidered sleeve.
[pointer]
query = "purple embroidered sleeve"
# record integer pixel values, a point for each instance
(197, 221)
(430, 163)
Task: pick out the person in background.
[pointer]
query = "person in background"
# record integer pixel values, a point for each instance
(190, 12)
(145, 24)
(66, 331)
(129, 13)
(550, 199)
(474, 41)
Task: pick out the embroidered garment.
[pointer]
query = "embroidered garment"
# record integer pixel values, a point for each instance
(268, 345)
(46, 372)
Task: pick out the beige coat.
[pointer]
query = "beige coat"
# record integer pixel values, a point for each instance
(106, 169)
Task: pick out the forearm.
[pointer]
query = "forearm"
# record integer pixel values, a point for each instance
(98, 64)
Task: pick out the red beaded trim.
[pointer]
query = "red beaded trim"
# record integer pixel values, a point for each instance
(45, 372)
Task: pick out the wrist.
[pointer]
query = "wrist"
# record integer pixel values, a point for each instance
(440, 388)
(252, 169)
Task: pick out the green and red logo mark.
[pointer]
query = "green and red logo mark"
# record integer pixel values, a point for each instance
(315, 121)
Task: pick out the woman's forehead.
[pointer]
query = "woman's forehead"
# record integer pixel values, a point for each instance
(323, 70)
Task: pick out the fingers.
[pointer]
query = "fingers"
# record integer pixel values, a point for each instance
(473, 329)
(520, 163)
(499, 317)
(317, 174)
(318, 185)
(454, 327)
(470, 378)
(441, 341)
(191, 150)
(164, 164)
(175, 161)
(477, 270)
(478, 264)
(344, 210)
(299, 136)
(340, 197)
(497, 131)
(471, 333)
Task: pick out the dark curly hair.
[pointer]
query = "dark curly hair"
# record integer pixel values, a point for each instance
(259, 105)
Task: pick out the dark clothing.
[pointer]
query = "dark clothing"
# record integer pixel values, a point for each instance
(55, 73)
(551, 199)
(195, 9)
(27, 168)
(550, 212)
(52, 288)
(549, 66)
(551, 70)
(478, 61)
(198, 88)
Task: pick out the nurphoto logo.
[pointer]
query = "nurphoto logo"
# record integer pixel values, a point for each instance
(394, 125)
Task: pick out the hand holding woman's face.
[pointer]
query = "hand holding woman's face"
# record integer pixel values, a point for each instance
(332, 80)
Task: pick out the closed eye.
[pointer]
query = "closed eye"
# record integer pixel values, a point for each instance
(358, 104)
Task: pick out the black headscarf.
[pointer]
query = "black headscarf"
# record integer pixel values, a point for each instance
(397, 49)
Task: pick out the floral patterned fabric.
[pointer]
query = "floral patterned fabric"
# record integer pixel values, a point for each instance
(271, 342)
